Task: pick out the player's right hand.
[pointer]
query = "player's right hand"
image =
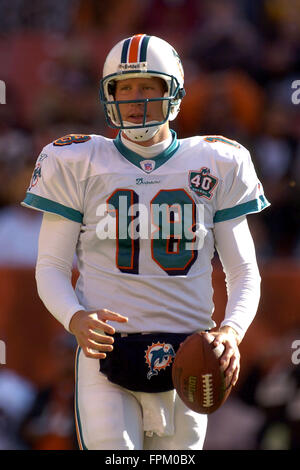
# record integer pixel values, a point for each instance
(92, 332)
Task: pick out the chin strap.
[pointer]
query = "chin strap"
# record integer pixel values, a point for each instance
(141, 134)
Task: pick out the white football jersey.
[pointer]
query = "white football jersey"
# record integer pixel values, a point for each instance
(146, 240)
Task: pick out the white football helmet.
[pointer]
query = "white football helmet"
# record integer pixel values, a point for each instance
(142, 56)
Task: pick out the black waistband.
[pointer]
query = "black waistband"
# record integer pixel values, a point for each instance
(124, 334)
(119, 334)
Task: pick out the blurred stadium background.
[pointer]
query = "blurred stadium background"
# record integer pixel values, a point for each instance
(241, 58)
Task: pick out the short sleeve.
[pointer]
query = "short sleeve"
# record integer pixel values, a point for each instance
(54, 186)
(240, 192)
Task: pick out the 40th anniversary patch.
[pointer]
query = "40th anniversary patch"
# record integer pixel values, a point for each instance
(203, 182)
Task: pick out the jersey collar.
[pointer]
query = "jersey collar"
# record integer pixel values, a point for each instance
(136, 159)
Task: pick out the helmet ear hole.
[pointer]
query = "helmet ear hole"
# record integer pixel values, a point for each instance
(181, 93)
(166, 88)
(111, 88)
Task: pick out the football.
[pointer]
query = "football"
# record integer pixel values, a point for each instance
(197, 375)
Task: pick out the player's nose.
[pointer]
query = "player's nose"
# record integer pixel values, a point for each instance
(137, 93)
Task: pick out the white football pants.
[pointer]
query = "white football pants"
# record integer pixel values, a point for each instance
(109, 417)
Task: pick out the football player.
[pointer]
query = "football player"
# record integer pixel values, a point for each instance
(144, 213)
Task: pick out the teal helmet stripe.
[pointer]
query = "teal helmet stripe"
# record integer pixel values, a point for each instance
(143, 50)
(125, 51)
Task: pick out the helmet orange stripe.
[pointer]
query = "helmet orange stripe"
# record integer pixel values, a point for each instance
(134, 48)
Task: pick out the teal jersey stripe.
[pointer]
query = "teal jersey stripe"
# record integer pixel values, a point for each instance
(135, 158)
(256, 205)
(79, 426)
(220, 139)
(44, 204)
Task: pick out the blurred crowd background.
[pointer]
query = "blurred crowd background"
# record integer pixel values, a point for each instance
(241, 60)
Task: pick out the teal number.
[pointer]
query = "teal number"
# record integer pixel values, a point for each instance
(173, 214)
(127, 250)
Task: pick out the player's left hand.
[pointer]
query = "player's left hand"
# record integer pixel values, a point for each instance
(230, 359)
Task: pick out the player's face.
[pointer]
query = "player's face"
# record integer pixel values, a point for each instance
(140, 89)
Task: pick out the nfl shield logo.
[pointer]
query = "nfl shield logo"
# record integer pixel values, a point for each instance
(147, 165)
